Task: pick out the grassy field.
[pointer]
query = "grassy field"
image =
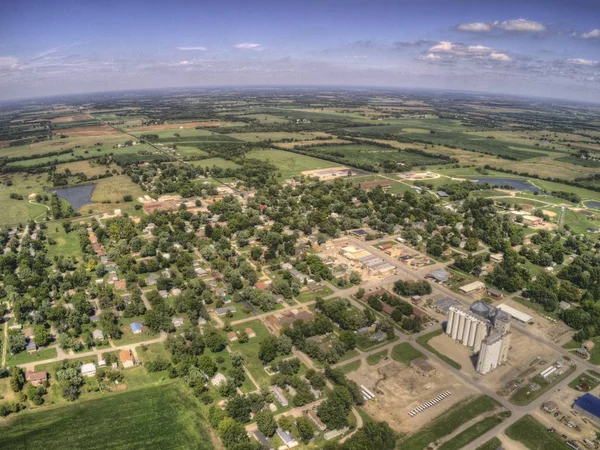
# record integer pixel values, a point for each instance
(218, 162)
(15, 211)
(474, 431)
(405, 353)
(534, 435)
(290, 164)
(375, 358)
(424, 341)
(449, 421)
(186, 135)
(249, 351)
(113, 189)
(27, 357)
(89, 168)
(492, 444)
(66, 244)
(159, 417)
(351, 367)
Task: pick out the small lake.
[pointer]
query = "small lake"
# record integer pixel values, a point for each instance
(515, 183)
(77, 196)
(595, 205)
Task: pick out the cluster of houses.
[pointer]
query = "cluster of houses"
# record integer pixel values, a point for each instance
(125, 356)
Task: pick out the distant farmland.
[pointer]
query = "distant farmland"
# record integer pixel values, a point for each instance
(464, 141)
(371, 157)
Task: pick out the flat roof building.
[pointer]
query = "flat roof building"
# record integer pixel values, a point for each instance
(588, 406)
(515, 313)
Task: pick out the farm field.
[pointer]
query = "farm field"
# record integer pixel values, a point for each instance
(186, 135)
(449, 421)
(277, 136)
(365, 154)
(156, 417)
(218, 162)
(290, 164)
(534, 435)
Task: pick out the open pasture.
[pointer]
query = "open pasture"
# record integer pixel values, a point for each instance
(290, 164)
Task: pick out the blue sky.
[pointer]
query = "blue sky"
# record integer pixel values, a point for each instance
(543, 48)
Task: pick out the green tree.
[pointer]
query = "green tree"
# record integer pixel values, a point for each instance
(266, 422)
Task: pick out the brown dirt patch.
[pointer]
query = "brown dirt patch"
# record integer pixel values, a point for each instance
(74, 118)
(100, 130)
(400, 389)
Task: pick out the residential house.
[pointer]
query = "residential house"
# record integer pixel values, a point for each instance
(127, 359)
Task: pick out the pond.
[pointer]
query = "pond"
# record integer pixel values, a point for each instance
(595, 205)
(515, 183)
(77, 196)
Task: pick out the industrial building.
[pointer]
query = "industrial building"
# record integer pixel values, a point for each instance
(483, 330)
(588, 406)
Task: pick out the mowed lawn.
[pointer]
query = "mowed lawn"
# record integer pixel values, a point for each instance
(161, 417)
(288, 163)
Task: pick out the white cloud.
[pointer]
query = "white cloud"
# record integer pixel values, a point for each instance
(475, 27)
(248, 46)
(7, 61)
(582, 62)
(447, 50)
(185, 63)
(202, 49)
(430, 57)
(496, 56)
(520, 25)
(479, 49)
(443, 47)
(594, 34)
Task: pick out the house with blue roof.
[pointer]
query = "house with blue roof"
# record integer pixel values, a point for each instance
(136, 327)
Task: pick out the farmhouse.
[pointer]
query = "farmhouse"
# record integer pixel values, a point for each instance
(36, 378)
(98, 334)
(127, 359)
(224, 310)
(88, 370)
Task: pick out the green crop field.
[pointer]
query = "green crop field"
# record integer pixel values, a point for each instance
(474, 431)
(360, 154)
(492, 444)
(449, 421)
(290, 164)
(534, 435)
(161, 417)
